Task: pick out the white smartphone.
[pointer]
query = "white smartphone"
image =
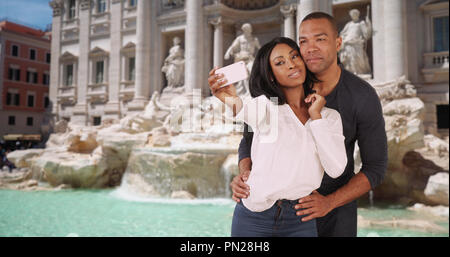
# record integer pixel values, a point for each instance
(234, 73)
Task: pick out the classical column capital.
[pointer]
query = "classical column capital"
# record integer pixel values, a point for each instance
(216, 22)
(85, 4)
(288, 10)
(57, 6)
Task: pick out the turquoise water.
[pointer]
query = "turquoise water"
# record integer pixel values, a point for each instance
(399, 213)
(104, 213)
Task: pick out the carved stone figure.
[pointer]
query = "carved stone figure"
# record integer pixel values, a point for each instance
(244, 48)
(354, 38)
(174, 65)
(155, 108)
(172, 4)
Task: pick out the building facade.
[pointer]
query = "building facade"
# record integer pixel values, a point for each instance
(107, 54)
(24, 80)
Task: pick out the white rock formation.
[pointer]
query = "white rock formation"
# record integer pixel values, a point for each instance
(437, 188)
(413, 157)
(22, 159)
(434, 211)
(403, 113)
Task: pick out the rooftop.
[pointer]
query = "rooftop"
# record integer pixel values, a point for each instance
(6, 25)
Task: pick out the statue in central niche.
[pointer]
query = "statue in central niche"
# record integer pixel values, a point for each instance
(174, 65)
(173, 3)
(354, 38)
(244, 48)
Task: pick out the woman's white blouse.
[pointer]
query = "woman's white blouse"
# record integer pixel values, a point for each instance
(289, 158)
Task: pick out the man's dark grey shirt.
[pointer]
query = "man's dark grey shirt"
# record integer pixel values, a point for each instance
(362, 120)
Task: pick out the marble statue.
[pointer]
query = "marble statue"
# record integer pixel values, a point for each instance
(354, 38)
(173, 3)
(174, 65)
(244, 48)
(154, 106)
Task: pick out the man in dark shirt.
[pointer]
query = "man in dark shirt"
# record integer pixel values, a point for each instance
(334, 203)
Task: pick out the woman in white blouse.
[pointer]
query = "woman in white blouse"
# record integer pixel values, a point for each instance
(295, 140)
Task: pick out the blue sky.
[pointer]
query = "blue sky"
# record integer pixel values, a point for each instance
(35, 13)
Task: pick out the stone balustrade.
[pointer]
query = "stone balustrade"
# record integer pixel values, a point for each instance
(97, 92)
(67, 94)
(436, 60)
(436, 67)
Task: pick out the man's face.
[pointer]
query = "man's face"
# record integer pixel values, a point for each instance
(319, 44)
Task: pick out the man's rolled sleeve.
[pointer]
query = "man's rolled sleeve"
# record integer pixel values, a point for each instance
(244, 149)
(372, 139)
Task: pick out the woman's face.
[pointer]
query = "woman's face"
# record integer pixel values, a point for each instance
(287, 66)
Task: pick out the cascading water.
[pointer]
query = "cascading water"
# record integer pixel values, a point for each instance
(192, 166)
(371, 198)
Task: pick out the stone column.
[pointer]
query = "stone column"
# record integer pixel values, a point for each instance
(142, 57)
(393, 39)
(55, 73)
(378, 40)
(193, 36)
(80, 112)
(112, 108)
(288, 12)
(156, 60)
(218, 42)
(305, 7)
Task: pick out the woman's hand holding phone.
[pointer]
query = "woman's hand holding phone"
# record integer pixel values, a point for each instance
(226, 94)
(223, 77)
(216, 84)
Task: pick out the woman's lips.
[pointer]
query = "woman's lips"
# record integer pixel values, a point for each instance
(295, 74)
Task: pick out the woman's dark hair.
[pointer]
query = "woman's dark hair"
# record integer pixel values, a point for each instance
(261, 76)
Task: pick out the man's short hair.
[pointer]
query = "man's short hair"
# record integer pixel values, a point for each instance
(323, 15)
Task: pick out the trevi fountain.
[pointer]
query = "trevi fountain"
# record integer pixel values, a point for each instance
(166, 170)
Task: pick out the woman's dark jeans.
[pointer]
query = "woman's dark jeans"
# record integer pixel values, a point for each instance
(278, 221)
